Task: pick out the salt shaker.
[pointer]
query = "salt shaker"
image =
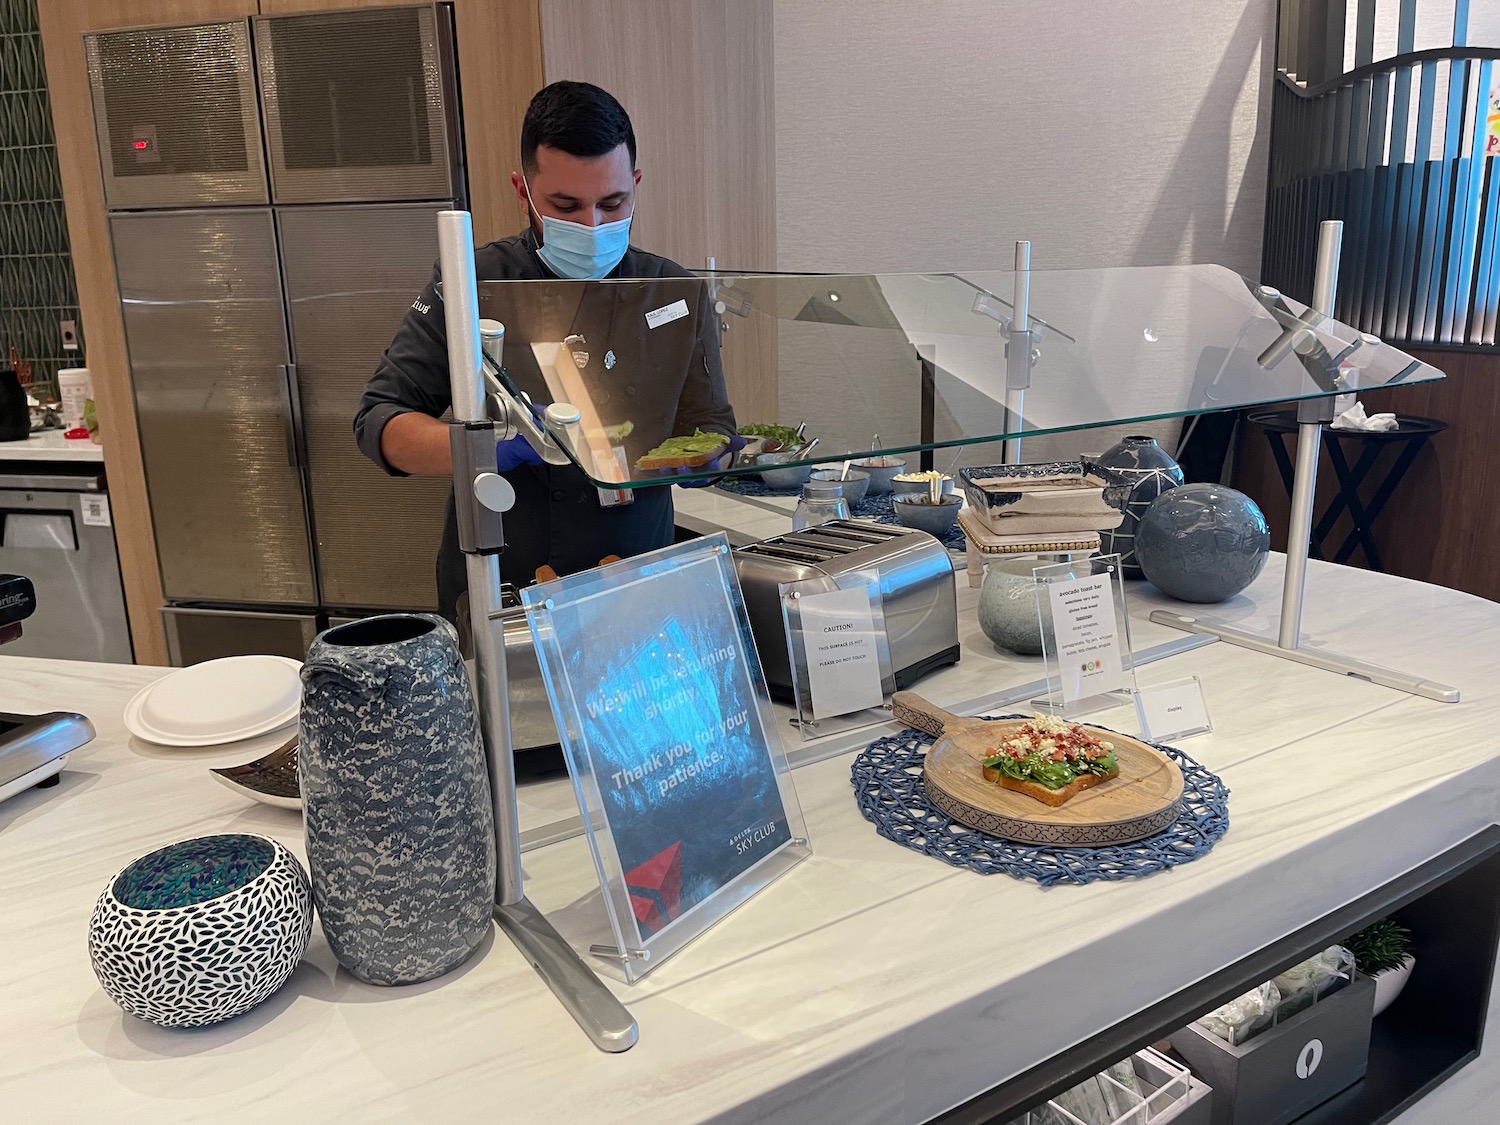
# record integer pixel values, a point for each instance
(822, 502)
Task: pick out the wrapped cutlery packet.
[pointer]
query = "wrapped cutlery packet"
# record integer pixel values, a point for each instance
(1301, 986)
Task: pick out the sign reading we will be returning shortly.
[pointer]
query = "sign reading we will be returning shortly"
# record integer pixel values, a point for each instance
(673, 765)
(667, 741)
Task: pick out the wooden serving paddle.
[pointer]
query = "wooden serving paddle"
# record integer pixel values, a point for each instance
(1145, 799)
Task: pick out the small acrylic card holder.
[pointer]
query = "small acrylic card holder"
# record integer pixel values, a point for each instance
(1173, 710)
(1085, 635)
(839, 654)
(661, 705)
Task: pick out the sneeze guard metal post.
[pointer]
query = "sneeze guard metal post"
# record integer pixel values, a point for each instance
(1018, 353)
(481, 494)
(1311, 416)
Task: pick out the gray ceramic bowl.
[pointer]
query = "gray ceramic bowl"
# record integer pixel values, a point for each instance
(919, 487)
(881, 470)
(792, 477)
(855, 484)
(917, 512)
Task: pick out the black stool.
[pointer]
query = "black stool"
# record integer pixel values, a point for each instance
(1411, 433)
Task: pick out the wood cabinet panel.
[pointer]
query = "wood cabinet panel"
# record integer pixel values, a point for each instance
(499, 70)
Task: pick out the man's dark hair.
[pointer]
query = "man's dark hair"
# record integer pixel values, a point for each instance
(577, 118)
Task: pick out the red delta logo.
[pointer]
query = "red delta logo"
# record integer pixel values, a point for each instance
(656, 888)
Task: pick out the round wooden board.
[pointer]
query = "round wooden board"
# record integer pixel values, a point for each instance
(1145, 799)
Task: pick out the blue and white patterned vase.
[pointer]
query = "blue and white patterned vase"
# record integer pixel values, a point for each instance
(396, 798)
(1148, 470)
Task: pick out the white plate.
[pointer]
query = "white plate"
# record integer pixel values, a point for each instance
(217, 701)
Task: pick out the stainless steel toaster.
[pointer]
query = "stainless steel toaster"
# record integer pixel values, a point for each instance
(916, 588)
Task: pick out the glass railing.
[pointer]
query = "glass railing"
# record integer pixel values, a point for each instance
(894, 363)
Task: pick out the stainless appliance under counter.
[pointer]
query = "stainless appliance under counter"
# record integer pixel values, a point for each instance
(55, 529)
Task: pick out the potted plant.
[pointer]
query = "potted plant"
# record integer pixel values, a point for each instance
(1382, 951)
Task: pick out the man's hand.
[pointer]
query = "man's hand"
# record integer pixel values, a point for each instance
(717, 465)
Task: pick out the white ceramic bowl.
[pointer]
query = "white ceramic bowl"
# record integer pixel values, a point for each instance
(793, 476)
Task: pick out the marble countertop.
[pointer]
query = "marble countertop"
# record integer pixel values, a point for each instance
(50, 445)
(857, 988)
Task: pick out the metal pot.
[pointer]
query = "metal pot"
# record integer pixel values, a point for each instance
(531, 722)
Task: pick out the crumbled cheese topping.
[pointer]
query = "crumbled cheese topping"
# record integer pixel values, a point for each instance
(1054, 738)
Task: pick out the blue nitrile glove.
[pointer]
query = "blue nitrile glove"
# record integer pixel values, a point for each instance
(514, 453)
(718, 465)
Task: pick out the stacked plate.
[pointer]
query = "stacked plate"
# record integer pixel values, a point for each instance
(217, 701)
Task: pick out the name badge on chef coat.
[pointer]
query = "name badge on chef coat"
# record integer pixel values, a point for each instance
(666, 314)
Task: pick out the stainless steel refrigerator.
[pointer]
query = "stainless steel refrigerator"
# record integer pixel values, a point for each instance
(273, 185)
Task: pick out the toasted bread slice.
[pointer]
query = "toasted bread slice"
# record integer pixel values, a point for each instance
(685, 461)
(1053, 797)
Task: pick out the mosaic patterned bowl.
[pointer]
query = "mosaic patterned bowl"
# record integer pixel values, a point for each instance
(201, 930)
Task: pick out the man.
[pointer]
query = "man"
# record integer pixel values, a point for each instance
(577, 188)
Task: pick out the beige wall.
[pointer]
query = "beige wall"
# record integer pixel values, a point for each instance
(931, 134)
(696, 78)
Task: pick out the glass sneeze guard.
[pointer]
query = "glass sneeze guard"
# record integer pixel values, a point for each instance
(896, 363)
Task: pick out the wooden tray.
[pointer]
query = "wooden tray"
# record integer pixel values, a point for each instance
(1145, 799)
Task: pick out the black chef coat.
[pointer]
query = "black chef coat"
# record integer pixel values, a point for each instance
(667, 380)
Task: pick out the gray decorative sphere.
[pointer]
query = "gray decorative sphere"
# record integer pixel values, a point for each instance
(201, 930)
(1202, 542)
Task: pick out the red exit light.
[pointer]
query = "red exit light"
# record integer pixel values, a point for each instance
(142, 146)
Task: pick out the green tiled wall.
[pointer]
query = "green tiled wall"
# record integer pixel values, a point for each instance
(36, 272)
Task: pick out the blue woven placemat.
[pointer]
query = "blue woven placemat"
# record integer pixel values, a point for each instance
(887, 779)
(877, 508)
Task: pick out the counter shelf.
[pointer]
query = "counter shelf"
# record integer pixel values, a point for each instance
(1422, 1040)
(891, 364)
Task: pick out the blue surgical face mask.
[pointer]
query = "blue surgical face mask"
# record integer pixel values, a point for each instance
(579, 252)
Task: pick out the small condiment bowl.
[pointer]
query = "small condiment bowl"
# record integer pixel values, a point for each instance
(881, 470)
(918, 511)
(855, 484)
(791, 477)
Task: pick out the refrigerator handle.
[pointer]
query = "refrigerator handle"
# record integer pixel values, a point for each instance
(292, 415)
